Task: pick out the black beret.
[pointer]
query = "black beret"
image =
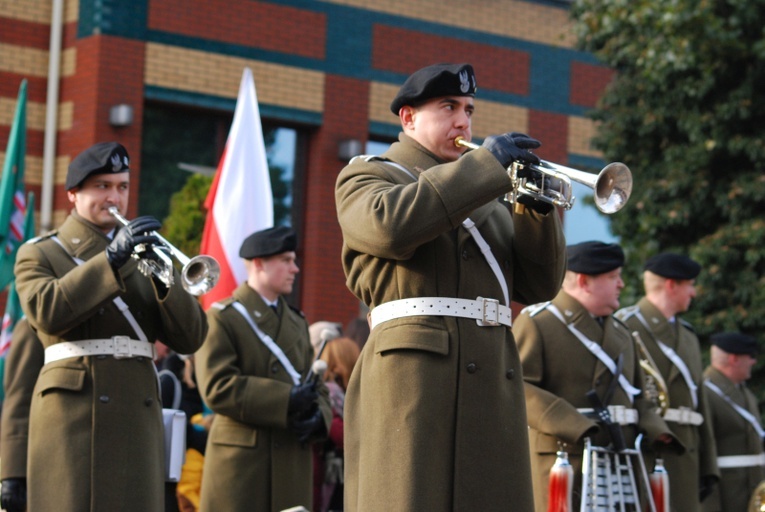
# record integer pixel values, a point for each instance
(673, 266)
(101, 158)
(268, 242)
(593, 258)
(433, 82)
(735, 343)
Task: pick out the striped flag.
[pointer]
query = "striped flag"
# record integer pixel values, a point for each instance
(12, 201)
(240, 201)
(13, 312)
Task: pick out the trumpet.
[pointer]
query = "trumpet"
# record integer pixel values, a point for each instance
(198, 275)
(612, 186)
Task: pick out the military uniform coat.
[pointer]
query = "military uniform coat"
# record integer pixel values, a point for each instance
(434, 412)
(733, 436)
(559, 371)
(96, 437)
(23, 362)
(253, 462)
(699, 460)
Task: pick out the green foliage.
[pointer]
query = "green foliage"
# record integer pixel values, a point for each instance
(685, 112)
(183, 227)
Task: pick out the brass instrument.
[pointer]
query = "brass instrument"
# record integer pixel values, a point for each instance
(757, 500)
(612, 186)
(655, 386)
(198, 275)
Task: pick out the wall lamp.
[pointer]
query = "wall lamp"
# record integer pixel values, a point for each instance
(347, 149)
(121, 115)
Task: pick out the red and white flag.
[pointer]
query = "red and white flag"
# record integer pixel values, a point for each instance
(240, 200)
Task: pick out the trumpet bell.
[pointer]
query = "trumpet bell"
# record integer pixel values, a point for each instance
(613, 187)
(200, 274)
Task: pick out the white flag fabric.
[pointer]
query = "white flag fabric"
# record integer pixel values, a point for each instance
(240, 201)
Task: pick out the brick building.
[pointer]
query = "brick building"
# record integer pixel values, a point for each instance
(325, 72)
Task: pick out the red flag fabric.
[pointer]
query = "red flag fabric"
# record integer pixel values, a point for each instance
(240, 201)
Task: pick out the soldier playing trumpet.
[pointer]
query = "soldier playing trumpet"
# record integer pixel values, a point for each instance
(95, 429)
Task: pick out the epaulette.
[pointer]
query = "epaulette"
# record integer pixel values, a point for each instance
(42, 237)
(620, 323)
(625, 313)
(366, 158)
(296, 310)
(688, 326)
(223, 303)
(534, 309)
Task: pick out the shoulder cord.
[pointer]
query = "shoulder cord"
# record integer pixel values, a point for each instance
(121, 305)
(479, 240)
(269, 343)
(598, 352)
(748, 416)
(676, 360)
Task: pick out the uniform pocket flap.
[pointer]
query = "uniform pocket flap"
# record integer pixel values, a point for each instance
(233, 435)
(61, 377)
(413, 336)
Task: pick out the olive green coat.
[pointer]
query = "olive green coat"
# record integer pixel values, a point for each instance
(699, 460)
(559, 371)
(253, 462)
(733, 436)
(23, 362)
(434, 413)
(95, 435)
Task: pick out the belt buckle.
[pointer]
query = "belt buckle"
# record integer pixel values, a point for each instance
(486, 313)
(685, 415)
(618, 414)
(118, 343)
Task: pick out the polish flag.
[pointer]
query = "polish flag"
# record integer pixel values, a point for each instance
(240, 200)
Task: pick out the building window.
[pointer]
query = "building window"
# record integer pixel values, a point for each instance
(179, 141)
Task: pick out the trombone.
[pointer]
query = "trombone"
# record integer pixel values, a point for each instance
(612, 186)
(198, 275)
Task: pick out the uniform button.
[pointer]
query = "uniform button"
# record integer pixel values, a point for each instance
(274, 368)
(471, 367)
(101, 357)
(101, 311)
(464, 254)
(597, 382)
(104, 399)
(510, 374)
(148, 402)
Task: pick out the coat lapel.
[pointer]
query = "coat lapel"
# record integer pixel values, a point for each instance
(281, 329)
(664, 331)
(577, 316)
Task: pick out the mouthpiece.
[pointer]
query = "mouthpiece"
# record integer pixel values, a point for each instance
(460, 142)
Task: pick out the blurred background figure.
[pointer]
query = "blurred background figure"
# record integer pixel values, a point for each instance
(735, 420)
(23, 362)
(341, 355)
(323, 331)
(179, 390)
(358, 330)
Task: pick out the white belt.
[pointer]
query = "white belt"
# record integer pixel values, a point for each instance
(619, 414)
(741, 461)
(486, 312)
(118, 346)
(683, 416)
